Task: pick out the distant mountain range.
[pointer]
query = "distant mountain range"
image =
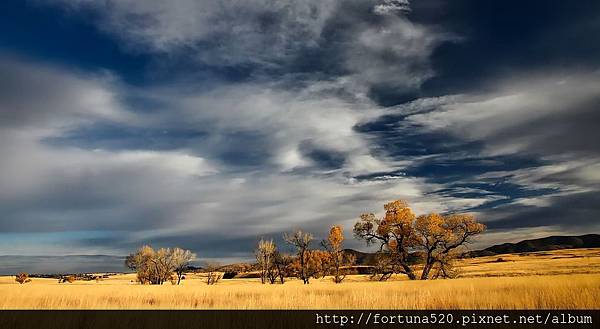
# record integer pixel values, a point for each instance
(542, 244)
(533, 245)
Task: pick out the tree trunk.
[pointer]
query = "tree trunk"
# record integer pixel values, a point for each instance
(409, 272)
(426, 270)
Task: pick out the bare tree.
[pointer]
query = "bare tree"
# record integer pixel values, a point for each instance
(181, 261)
(157, 266)
(164, 264)
(301, 241)
(264, 256)
(212, 274)
(282, 267)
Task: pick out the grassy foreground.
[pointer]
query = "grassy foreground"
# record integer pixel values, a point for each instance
(566, 279)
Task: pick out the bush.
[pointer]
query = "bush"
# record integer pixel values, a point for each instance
(229, 275)
(22, 278)
(67, 279)
(364, 269)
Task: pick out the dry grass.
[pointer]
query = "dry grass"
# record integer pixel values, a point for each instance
(567, 261)
(485, 284)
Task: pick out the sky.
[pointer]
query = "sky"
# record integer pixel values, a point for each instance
(207, 125)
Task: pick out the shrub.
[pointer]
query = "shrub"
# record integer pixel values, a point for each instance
(67, 279)
(22, 278)
(229, 275)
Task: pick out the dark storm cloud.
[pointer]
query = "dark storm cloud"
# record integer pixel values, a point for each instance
(9, 265)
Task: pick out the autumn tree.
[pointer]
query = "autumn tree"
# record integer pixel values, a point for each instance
(337, 257)
(393, 232)
(440, 238)
(301, 241)
(319, 263)
(400, 233)
(265, 253)
(22, 278)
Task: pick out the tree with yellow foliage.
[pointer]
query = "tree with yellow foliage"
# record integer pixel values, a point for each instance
(401, 233)
(441, 237)
(337, 257)
(393, 232)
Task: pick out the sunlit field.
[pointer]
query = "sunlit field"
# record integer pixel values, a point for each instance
(566, 279)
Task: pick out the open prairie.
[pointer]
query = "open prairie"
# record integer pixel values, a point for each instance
(566, 279)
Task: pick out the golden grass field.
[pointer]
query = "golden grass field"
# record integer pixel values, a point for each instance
(565, 279)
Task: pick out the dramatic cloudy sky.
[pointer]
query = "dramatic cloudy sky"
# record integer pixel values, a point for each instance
(207, 124)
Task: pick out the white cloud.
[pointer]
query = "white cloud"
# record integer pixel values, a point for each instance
(384, 49)
(394, 54)
(146, 195)
(286, 121)
(523, 114)
(259, 31)
(392, 7)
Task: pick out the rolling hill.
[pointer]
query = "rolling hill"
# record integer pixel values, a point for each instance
(542, 244)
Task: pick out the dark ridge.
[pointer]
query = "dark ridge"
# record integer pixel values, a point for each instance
(542, 244)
